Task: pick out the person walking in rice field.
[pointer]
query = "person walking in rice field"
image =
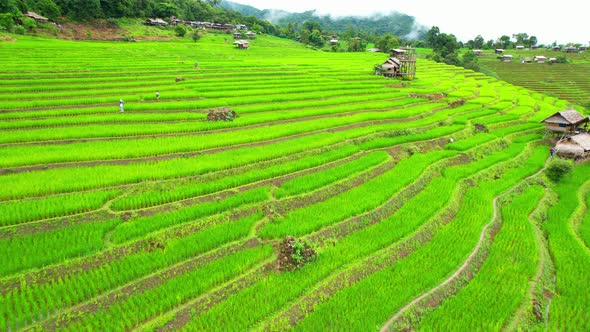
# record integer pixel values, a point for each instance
(121, 106)
(157, 95)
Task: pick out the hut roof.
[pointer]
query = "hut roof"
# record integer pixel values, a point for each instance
(583, 140)
(519, 47)
(566, 117)
(391, 63)
(374, 49)
(36, 16)
(157, 21)
(241, 42)
(540, 57)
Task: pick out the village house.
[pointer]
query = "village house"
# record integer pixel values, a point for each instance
(374, 50)
(251, 35)
(540, 59)
(571, 49)
(333, 42)
(237, 35)
(526, 60)
(582, 48)
(241, 27)
(534, 47)
(156, 22)
(564, 122)
(478, 52)
(556, 48)
(552, 60)
(519, 47)
(506, 58)
(36, 17)
(242, 44)
(499, 51)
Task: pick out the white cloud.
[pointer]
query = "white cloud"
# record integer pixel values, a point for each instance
(563, 21)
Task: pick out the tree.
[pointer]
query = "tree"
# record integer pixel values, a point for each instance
(180, 31)
(387, 42)
(315, 39)
(505, 42)
(311, 26)
(165, 9)
(478, 42)
(533, 41)
(48, 8)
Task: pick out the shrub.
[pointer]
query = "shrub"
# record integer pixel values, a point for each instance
(558, 168)
(20, 30)
(180, 31)
(6, 22)
(29, 24)
(196, 36)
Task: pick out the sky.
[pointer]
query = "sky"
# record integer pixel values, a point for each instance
(563, 21)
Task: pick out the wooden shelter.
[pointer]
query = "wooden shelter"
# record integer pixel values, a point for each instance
(478, 52)
(519, 47)
(571, 49)
(526, 60)
(374, 50)
(36, 17)
(251, 35)
(499, 51)
(390, 67)
(556, 48)
(407, 60)
(506, 58)
(243, 44)
(575, 146)
(237, 35)
(156, 22)
(333, 41)
(564, 122)
(540, 59)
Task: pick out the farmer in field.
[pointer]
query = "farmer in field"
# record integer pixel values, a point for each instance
(196, 65)
(552, 152)
(157, 95)
(121, 105)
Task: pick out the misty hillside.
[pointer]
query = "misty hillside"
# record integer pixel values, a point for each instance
(395, 23)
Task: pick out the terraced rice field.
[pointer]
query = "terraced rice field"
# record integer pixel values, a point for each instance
(156, 219)
(569, 81)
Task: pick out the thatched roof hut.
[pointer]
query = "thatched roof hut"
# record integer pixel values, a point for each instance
(237, 35)
(251, 35)
(564, 121)
(156, 22)
(576, 146)
(242, 44)
(540, 58)
(390, 67)
(36, 17)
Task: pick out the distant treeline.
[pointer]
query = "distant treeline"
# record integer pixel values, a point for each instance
(193, 10)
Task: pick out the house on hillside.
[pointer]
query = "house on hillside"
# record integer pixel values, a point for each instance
(156, 22)
(552, 60)
(575, 146)
(571, 49)
(251, 35)
(237, 35)
(556, 48)
(36, 17)
(478, 52)
(242, 44)
(499, 51)
(374, 50)
(389, 68)
(519, 47)
(241, 27)
(333, 41)
(540, 59)
(564, 122)
(506, 58)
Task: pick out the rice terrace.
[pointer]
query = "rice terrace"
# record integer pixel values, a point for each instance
(280, 187)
